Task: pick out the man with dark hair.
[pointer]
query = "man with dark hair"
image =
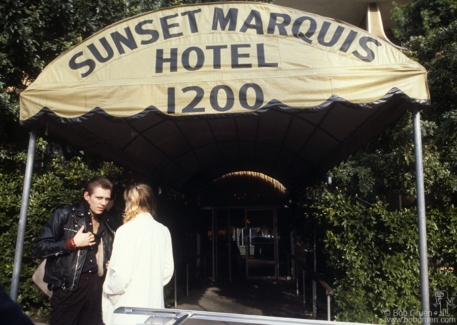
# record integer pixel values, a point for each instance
(77, 242)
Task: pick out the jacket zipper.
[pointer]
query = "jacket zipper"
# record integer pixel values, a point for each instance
(76, 268)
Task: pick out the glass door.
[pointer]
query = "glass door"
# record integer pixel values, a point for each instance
(260, 244)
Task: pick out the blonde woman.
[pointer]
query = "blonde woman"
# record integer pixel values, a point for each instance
(141, 262)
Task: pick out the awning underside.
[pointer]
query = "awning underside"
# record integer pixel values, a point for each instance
(292, 146)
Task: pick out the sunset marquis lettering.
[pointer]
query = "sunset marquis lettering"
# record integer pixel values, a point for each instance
(222, 59)
(157, 30)
(236, 54)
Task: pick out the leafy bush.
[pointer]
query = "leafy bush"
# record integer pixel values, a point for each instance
(60, 184)
(371, 242)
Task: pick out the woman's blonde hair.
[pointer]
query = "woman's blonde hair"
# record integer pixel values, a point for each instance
(138, 199)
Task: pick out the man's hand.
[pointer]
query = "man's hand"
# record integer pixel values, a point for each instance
(83, 239)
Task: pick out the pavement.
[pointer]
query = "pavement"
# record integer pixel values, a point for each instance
(250, 297)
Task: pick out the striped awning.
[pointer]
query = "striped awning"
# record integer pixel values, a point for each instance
(194, 92)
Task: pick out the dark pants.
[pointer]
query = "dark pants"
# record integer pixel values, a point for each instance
(80, 307)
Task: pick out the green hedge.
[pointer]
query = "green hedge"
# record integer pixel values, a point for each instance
(60, 184)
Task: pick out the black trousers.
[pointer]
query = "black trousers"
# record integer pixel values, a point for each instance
(80, 307)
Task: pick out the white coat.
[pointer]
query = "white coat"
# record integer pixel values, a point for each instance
(140, 265)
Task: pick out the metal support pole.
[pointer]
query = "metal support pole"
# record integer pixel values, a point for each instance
(315, 270)
(329, 306)
(289, 268)
(214, 244)
(421, 217)
(314, 251)
(23, 215)
(198, 262)
(187, 279)
(247, 243)
(276, 249)
(176, 288)
(204, 263)
(304, 289)
(297, 290)
(229, 237)
(314, 299)
(292, 252)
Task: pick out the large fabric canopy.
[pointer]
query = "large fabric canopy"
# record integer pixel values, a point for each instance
(194, 92)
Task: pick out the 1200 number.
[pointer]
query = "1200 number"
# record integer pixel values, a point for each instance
(218, 101)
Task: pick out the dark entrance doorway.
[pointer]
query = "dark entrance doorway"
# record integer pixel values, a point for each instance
(261, 244)
(245, 243)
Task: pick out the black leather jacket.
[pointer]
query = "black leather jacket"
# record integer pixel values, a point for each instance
(63, 268)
